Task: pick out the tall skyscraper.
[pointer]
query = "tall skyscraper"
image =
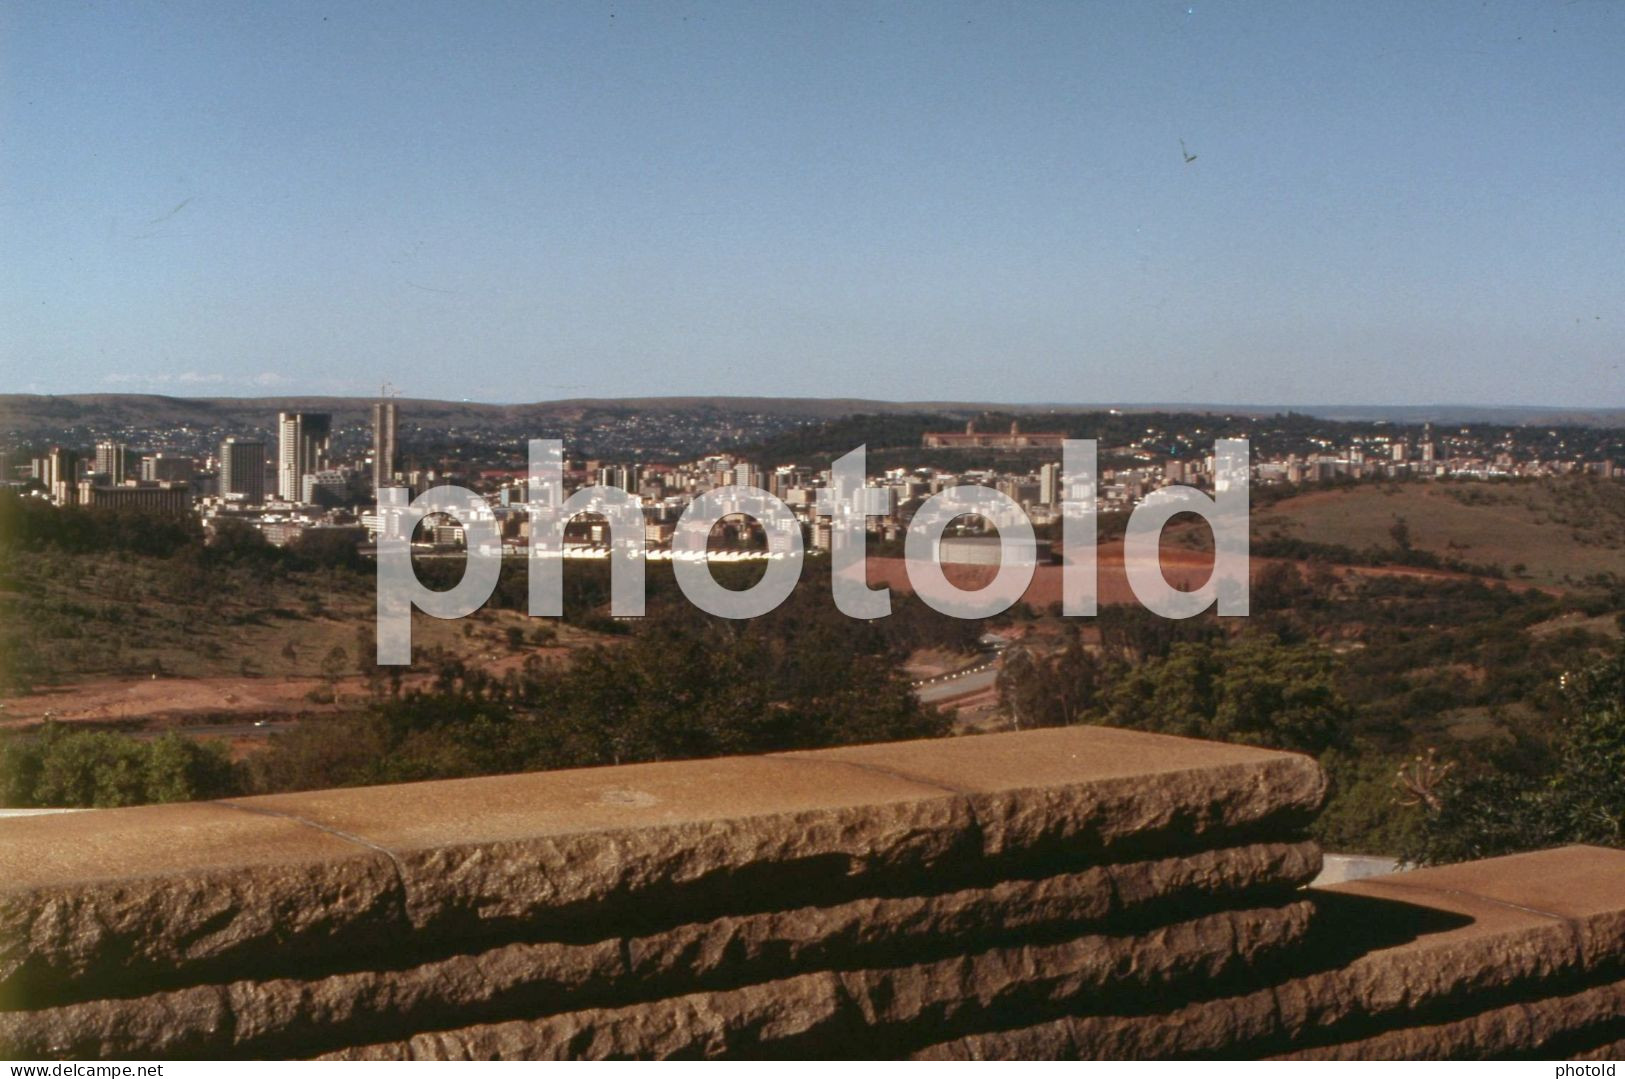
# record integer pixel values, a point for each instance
(242, 471)
(1049, 484)
(301, 449)
(61, 477)
(110, 457)
(385, 454)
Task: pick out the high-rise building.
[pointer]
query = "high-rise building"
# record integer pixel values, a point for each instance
(385, 451)
(621, 477)
(61, 478)
(301, 449)
(242, 471)
(110, 458)
(1049, 484)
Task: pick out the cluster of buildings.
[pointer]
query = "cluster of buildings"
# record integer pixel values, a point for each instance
(296, 484)
(283, 489)
(1430, 456)
(664, 492)
(113, 477)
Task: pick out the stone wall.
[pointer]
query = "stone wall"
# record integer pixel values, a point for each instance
(1077, 892)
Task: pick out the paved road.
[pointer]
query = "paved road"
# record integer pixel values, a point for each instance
(958, 684)
(222, 730)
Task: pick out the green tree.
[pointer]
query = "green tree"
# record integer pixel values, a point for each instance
(181, 769)
(1576, 796)
(1400, 533)
(21, 760)
(1253, 691)
(1049, 691)
(91, 768)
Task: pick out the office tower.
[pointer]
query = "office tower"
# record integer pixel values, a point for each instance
(1049, 484)
(622, 477)
(242, 471)
(301, 449)
(110, 462)
(61, 478)
(385, 455)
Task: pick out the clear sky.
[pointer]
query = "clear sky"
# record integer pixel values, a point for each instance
(1405, 203)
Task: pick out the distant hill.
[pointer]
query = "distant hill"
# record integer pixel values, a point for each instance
(23, 416)
(26, 415)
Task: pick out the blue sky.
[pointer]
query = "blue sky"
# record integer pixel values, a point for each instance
(1390, 203)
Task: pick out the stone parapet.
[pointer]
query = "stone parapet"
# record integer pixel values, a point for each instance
(1073, 892)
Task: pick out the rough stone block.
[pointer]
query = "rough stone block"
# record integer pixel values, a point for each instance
(852, 1012)
(162, 894)
(1384, 952)
(289, 1015)
(165, 896)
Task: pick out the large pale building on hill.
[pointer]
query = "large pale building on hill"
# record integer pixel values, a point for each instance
(972, 439)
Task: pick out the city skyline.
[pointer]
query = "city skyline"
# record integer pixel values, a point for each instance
(1178, 203)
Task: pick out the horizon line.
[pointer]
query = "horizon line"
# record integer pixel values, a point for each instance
(1062, 406)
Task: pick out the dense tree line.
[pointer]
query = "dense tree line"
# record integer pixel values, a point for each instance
(30, 524)
(59, 766)
(1370, 675)
(1565, 784)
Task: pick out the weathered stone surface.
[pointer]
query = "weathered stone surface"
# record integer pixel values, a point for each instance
(1464, 932)
(1524, 918)
(166, 894)
(278, 1015)
(834, 1011)
(128, 896)
(1218, 1027)
(157, 894)
(553, 845)
(1614, 1050)
(284, 1015)
(865, 901)
(192, 1022)
(739, 947)
(1524, 1026)
(1580, 886)
(1205, 1028)
(1097, 786)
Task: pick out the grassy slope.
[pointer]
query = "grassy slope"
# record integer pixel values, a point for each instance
(86, 618)
(1561, 531)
